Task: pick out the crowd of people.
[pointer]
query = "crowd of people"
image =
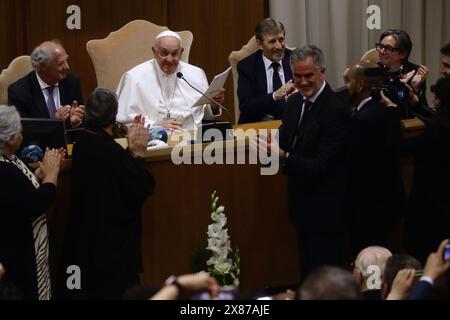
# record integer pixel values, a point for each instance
(341, 153)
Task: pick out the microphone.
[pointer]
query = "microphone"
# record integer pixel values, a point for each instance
(180, 75)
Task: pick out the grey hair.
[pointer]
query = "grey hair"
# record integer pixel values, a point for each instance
(101, 108)
(329, 283)
(301, 54)
(9, 125)
(270, 26)
(42, 54)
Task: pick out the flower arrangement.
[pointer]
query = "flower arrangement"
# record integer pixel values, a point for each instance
(226, 270)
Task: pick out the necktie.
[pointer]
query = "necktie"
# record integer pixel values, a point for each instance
(306, 107)
(276, 81)
(51, 102)
(354, 112)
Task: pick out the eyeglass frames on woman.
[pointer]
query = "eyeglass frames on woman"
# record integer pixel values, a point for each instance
(388, 49)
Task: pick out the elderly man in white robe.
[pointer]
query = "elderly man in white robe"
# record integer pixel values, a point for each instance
(152, 89)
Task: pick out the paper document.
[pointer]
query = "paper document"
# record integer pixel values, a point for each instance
(214, 88)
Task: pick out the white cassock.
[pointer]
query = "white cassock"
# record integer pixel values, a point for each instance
(147, 90)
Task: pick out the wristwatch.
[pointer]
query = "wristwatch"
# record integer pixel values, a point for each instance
(172, 281)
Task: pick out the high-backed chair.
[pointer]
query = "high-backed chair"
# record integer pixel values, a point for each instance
(371, 55)
(17, 69)
(125, 48)
(234, 58)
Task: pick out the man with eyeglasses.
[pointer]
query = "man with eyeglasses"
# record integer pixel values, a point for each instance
(153, 89)
(394, 50)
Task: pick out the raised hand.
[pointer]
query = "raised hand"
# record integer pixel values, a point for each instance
(402, 284)
(137, 138)
(77, 113)
(284, 91)
(50, 166)
(63, 113)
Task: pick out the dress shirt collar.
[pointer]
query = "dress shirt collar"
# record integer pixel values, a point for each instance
(314, 97)
(363, 103)
(43, 84)
(268, 63)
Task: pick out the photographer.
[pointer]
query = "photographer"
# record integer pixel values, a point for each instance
(428, 219)
(376, 196)
(394, 50)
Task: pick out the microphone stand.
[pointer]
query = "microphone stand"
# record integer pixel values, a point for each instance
(180, 75)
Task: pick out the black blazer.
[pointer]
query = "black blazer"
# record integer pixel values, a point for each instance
(316, 170)
(26, 95)
(254, 101)
(376, 195)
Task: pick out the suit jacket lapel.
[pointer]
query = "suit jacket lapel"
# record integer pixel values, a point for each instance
(295, 119)
(287, 66)
(62, 85)
(310, 118)
(38, 96)
(261, 73)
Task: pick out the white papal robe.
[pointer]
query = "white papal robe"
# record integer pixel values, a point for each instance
(140, 92)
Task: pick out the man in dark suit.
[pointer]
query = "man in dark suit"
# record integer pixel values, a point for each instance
(265, 78)
(48, 91)
(312, 142)
(376, 197)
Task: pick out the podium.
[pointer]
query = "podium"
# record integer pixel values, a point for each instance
(177, 215)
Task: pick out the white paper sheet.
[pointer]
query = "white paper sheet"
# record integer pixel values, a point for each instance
(214, 88)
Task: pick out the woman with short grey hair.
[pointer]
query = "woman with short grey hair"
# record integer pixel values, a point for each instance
(24, 202)
(109, 187)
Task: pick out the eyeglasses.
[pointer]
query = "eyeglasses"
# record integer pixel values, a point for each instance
(387, 49)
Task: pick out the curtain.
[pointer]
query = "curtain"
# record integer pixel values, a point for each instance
(339, 28)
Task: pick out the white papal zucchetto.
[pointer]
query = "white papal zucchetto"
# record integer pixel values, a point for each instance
(168, 33)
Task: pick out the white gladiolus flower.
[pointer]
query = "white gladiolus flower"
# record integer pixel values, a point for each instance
(220, 245)
(223, 268)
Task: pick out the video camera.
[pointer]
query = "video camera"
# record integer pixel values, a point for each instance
(392, 87)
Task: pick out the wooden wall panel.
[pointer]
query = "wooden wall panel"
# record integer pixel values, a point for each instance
(99, 18)
(219, 27)
(11, 41)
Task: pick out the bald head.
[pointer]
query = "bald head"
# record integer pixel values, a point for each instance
(358, 83)
(49, 60)
(367, 262)
(358, 71)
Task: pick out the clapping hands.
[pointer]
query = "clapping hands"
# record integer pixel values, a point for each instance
(137, 137)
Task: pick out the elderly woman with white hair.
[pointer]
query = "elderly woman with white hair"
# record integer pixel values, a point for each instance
(25, 201)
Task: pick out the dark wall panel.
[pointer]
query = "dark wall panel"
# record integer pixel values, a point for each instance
(219, 27)
(99, 18)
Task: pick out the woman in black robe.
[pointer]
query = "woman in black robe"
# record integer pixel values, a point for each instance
(109, 187)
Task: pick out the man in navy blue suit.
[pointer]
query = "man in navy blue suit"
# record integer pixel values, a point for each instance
(265, 78)
(49, 91)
